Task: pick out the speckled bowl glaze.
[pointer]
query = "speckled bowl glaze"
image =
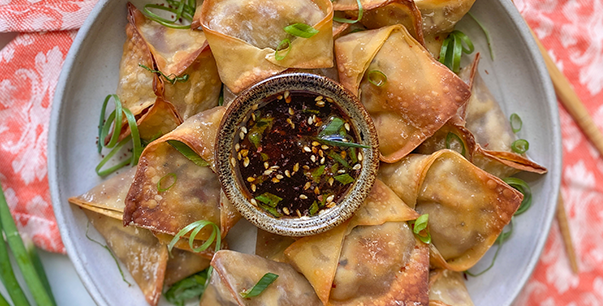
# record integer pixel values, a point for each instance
(294, 226)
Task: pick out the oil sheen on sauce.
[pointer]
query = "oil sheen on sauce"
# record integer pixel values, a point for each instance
(297, 154)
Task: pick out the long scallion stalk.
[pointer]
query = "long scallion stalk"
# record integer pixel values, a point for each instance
(35, 259)
(17, 247)
(3, 301)
(7, 274)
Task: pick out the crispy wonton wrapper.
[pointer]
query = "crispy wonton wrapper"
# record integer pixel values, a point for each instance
(447, 288)
(236, 272)
(244, 34)
(467, 206)
(340, 264)
(195, 191)
(183, 264)
(419, 96)
(139, 250)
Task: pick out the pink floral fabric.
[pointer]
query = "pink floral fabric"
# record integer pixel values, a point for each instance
(572, 31)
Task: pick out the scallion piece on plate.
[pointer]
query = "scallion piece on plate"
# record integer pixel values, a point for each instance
(285, 44)
(520, 146)
(195, 228)
(360, 13)
(453, 48)
(420, 229)
(190, 287)
(516, 123)
(121, 272)
(524, 188)
(188, 153)
(160, 184)
(453, 140)
(301, 30)
(486, 32)
(377, 78)
(172, 80)
(260, 286)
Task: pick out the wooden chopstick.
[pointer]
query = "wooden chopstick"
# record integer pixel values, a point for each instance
(565, 233)
(576, 109)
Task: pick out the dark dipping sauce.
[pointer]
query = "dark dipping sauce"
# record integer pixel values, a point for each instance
(297, 154)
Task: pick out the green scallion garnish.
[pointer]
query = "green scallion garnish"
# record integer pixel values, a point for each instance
(284, 43)
(486, 32)
(344, 178)
(500, 243)
(338, 159)
(196, 227)
(260, 286)
(377, 78)
(301, 30)
(345, 20)
(332, 128)
(172, 80)
(269, 199)
(182, 9)
(516, 123)
(453, 48)
(453, 140)
(188, 153)
(419, 228)
(522, 187)
(161, 189)
(121, 272)
(313, 208)
(520, 146)
(317, 173)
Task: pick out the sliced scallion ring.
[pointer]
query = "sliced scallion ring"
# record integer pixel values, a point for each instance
(161, 189)
(516, 123)
(285, 42)
(301, 30)
(345, 20)
(196, 227)
(260, 286)
(451, 138)
(520, 146)
(419, 228)
(522, 187)
(377, 78)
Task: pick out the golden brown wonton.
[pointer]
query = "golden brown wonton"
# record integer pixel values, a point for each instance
(244, 34)
(467, 206)
(419, 96)
(448, 288)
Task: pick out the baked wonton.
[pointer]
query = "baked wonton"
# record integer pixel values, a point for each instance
(447, 288)
(418, 97)
(468, 207)
(244, 34)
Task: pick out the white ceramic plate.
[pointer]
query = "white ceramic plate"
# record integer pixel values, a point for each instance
(517, 78)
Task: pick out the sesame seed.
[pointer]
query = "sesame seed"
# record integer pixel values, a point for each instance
(306, 167)
(288, 100)
(244, 129)
(324, 147)
(253, 116)
(298, 213)
(321, 153)
(246, 162)
(330, 204)
(341, 171)
(275, 180)
(315, 143)
(347, 126)
(274, 167)
(314, 150)
(296, 167)
(308, 184)
(343, 154)
(266, 165)
(255, 106)
(280, 177)
(254, 202)
(320, 103)
(286, 210)
(310, 120)
(241, 135)
(268, 172)
(307, 149)
(237, 147)
(318, 98)
(316, 190)
(286, 94)
(331, 181)
(359, 156)
(330, 198)
(253, 187)
(322, 160)
(233, 161)
(313, 158)
(303, 197)
(280, 97)
(291, 111)
(357, 167)
(329, 99)
(344, 140)
(244, 152)
(239, 157)
(250, 179)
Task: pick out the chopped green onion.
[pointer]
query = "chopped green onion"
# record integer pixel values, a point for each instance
(523, 187)
(504, 236)
(360, 13)
(121, 272)
(516, 123)
(377, 78)
(35, 259)
(273, 211)
(301, 30)
(105, 125)
(488, 39)
(332, 128)
(182, 10)
(172, 80)
(196, 227)
(284, 42)
(260, 286)
(520, 146)
(107, 157)
(357, 30)
(344, 178)
(6, 270)
(500, 243)
(451, 138)
(338, 143)
(161, 189)
(317, 173)
(3, 301)
(255, 137)
(313, 209)
(353, 155)
(419, 228)
(453, 48)
(269, 199)
(188, 153)
(338, 159)
(190, 287)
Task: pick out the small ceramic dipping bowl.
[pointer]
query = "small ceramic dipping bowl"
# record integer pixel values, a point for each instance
(297, 154)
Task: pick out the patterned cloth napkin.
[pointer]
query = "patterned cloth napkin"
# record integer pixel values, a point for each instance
(572, 31)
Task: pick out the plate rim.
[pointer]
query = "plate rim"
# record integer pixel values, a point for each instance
(521, 28)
